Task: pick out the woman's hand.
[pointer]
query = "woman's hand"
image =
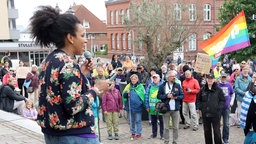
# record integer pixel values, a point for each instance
(86, 67)
(102, 85)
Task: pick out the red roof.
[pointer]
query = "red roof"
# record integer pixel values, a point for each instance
(83, 14)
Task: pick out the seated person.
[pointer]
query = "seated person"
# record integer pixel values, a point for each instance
(10, 100)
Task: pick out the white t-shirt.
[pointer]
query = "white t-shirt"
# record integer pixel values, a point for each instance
(168, 89)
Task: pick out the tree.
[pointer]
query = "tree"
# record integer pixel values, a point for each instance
(228, 11)
(158, 26)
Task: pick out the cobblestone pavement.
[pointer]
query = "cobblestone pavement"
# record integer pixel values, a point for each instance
(12, 133)
(187, 136)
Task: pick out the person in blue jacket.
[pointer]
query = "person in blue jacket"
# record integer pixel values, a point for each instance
(133, 99)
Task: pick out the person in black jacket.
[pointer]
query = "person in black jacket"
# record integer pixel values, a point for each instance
(115, 62)
(10, 100)
(211, 101)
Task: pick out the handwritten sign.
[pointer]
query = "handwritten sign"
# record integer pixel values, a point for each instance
(21, 72)
(203, 63)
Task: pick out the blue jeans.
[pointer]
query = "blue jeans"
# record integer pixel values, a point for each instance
(225, 131)
(49, 139)
(136, 123)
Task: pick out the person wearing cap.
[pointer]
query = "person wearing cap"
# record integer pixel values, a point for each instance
(243, 64)
(211, 100)
(235, 73)
(171, 93)
(230, 97)
(150, 102)
(120, 79)
(190, 88)
(241, 85)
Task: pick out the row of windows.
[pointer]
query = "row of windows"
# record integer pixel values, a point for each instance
(192, 46)
(124, 41)
(122, 13)
(177, 13)
(121, 41)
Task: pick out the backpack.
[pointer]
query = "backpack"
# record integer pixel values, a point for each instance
(250, 138)
(2, 60)
(1, 89)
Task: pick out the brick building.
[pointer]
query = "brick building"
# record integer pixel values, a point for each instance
(121, 41)
(96, 31)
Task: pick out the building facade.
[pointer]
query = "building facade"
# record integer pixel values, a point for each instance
(23, 48)
(18, 43)
(96, 31)
(206, 12)
(8, 16)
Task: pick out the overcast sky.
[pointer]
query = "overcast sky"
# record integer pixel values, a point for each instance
(26, 8)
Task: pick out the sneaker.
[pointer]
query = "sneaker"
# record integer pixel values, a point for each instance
(161, 138)
(116, 137)
(138, 136)
(132, 136)
(186, 127)
(149, 123)
(195, 128)
(110, 137)
(152, 136)
(200, 120)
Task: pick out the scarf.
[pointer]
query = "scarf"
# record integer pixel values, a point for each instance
(245, 107)
(139, 89)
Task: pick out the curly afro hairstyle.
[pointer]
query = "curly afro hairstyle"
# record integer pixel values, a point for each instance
(49, 27)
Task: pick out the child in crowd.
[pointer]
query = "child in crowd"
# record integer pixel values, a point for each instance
(95, 109)
(112, 106)
(29, 111)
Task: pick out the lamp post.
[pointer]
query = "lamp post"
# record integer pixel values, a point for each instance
(214, 14)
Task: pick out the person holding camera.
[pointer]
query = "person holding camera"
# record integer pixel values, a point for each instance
(191, 88)
(171, 93)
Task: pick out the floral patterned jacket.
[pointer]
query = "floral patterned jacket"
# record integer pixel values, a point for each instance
(64, 101)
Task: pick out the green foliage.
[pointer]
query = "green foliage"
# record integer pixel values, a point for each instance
(229, 10)
(105, 52)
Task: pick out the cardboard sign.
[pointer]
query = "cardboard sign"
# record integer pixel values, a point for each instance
(21, 72)
(203, 63)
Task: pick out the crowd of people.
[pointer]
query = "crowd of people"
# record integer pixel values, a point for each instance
(68, 93)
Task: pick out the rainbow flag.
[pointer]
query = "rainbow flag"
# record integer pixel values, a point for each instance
(232, 37)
